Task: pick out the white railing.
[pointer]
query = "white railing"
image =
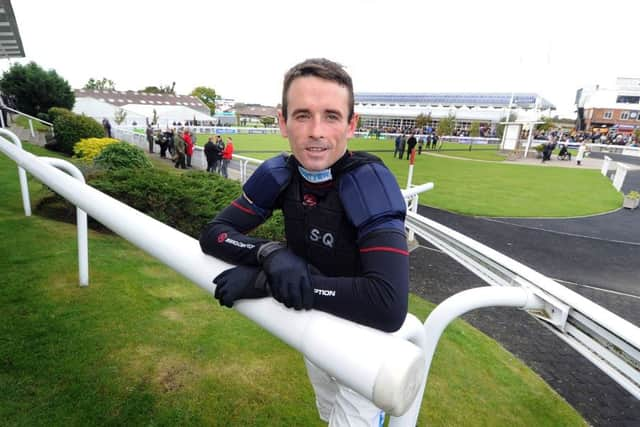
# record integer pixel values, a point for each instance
(607, 340)
(384, 368)
(29, 117)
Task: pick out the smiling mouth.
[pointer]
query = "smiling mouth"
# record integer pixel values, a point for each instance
(316, 149)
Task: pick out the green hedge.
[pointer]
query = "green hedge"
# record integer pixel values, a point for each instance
(186, 202)
(70, 128)
(122, 156)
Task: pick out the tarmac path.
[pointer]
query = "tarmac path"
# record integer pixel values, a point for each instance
(574, 253)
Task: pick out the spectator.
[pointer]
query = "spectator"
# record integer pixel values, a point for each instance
(210, 154)
(187, 136)
(107, 127)
(411, 145)
(150, 137)
(180, 147)
(219, 151)
(227, 155)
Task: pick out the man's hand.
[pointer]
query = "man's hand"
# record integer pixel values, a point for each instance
(289, 279)
(242, 282)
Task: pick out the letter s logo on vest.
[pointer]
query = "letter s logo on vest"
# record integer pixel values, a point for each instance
(222, 237)
(316, 235)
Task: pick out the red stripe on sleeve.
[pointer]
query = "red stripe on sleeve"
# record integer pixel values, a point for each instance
(384, 249)
(242, 208)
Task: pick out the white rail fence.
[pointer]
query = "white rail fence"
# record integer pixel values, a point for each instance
(389, 369)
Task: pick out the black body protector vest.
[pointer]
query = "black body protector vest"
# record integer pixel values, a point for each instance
(316, 225)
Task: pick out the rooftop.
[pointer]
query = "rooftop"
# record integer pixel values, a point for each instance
(524, 100)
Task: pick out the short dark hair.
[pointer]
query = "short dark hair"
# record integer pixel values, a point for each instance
(322, 68)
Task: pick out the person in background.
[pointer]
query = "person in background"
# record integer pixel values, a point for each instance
(210, 154)
(107, 127)
(188, 140)
(227, 155)
(346, 248)
(219, 151)
(180, 147)
(411, 145)
(150, 137)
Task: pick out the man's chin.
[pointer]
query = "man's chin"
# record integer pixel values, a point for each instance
(315, 164)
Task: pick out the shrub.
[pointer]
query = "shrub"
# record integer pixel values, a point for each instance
(122, 156)
(186, 202)
(71, 128)
(87, 149)
(55, 112)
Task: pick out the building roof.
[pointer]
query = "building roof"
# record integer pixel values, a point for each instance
(10, 41)
(256, 111)
(522, 100)
(122, 98)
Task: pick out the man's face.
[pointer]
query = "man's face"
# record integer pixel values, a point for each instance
(317, 125)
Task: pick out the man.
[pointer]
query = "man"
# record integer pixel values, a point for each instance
(411, 145)
(210, 154)
(180, 147)
(219, 150)
(189, 141)
(346, 251)
(107, 127)
(399, 146)
(150, 137)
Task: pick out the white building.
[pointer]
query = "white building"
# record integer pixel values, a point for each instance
(139, 107)
(399, 110)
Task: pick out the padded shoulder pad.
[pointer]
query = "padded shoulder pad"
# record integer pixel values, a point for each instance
(370, 193)
(266, 183)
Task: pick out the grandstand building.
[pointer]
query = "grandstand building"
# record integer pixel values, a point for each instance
(396, 111)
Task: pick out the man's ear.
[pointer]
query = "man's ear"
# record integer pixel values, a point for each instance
(283, 125)
(353, 123)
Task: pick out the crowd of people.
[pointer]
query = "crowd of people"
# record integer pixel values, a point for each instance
(402, 142)
(180, 144)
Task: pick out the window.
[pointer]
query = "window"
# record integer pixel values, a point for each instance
(628, 99)
(608, 114)
(624, 115)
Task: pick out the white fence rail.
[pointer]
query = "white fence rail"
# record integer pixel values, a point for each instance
(385, 368)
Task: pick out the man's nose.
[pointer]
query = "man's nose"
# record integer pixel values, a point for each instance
(316, 128)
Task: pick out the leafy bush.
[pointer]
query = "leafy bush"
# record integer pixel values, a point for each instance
(122, 156)
(87, 149)
(44, 116)
(55, 112)
(186, 202)
(71, 128)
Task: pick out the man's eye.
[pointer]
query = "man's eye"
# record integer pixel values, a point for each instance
(333, 117)
(302, 116)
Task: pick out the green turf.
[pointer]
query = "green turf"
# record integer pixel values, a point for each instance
(37, 126)
(143, 346)
(481, 188)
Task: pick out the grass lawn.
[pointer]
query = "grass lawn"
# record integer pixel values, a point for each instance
(24, 122)
(477, 188)
(143, 346)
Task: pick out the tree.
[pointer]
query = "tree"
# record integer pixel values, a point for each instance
(446, 126)
(36, 90)
(207, 95)
(267, 120)
(422, 121)
(162, 89)
(474, 130)
(104, 84)
(547, 123)
(119, 116)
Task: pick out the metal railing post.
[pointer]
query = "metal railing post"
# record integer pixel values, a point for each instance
(452, 308)
(81, 219)
(22, 175)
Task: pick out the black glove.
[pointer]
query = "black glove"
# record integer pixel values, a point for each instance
(289, 278)
(242, 282)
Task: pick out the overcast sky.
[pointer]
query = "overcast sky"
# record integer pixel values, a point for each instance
(242, 48)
